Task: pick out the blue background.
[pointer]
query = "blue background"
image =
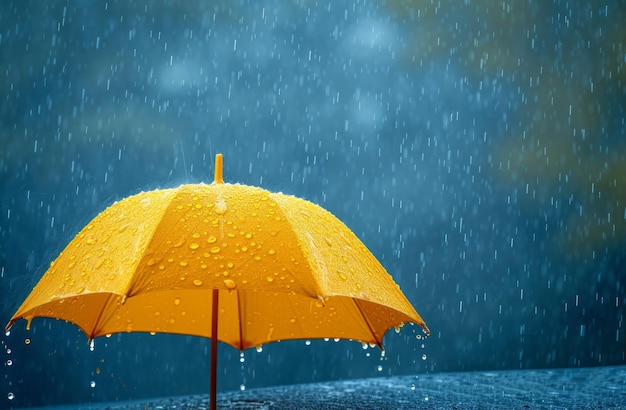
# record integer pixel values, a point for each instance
(477, 148)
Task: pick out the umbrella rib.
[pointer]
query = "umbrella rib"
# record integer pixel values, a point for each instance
(369, 326)
(97, 325)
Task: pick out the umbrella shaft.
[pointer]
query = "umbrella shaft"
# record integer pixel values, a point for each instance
(214, 311)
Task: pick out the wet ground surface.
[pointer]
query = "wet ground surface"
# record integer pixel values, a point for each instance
(597, 388)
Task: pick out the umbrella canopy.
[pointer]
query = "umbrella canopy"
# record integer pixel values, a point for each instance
(233, 262)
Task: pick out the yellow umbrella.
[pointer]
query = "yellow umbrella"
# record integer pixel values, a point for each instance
(231, 262)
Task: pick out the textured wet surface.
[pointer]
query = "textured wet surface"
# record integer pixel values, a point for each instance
(599, 388)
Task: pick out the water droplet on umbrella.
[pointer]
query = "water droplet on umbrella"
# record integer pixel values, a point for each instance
(211, 239)
(195, 235)
(271, 252)
(194, 245)
(179, 243)
(197, 282)
(183, 263)
(230, 284)
(342, 275)
(270, 279)
(216, 249)
(177, 301)
(220, 207)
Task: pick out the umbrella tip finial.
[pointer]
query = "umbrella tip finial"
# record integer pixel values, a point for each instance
(218, 179)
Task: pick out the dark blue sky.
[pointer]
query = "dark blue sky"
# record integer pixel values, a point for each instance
(477, 149)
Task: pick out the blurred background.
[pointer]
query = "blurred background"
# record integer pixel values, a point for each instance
(477, 148)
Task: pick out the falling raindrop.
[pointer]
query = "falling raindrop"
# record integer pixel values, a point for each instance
(92, 384)
(27, 341)
(10, 396)
(92, 345)
(380, 368)
(242, 387)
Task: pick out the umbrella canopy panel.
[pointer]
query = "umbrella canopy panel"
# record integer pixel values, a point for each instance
(246, 318)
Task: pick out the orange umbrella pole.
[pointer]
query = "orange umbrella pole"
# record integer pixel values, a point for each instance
(218, 179)
(214, 311)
